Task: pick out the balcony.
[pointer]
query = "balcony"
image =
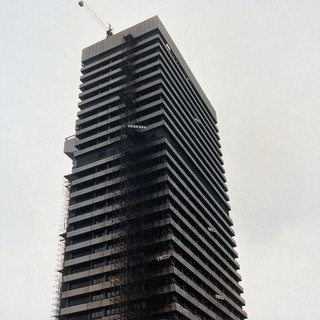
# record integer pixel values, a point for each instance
(69, 146)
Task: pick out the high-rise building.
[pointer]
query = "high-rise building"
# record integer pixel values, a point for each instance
(148, 234)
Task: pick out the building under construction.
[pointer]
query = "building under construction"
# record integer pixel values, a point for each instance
(148, 233)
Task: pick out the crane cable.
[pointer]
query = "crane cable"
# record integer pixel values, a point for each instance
(108, 28)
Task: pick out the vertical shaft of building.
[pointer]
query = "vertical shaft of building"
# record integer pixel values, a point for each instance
(149, 236)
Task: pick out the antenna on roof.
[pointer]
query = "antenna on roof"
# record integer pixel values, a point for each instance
(108, 28)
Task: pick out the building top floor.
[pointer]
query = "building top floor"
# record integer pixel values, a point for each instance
(137, 31)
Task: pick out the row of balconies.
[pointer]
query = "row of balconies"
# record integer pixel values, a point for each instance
(212, 197)
(187, 130)
(140, 66)
(197, 103)
(90, 69)
(205, 127)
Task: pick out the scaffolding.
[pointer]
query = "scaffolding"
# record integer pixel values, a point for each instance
(56, 306)
(133, 284)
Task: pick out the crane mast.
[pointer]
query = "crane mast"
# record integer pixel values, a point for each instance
(107, 28)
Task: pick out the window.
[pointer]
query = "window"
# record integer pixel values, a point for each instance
(98, 248)
(81, 316)
(97, 280)
(79, 284)
(80, 268)
(96, 314)
(98, 264)
(112, 310)
(112, 292)
(97, 296)
(78, 300)
(98, 233)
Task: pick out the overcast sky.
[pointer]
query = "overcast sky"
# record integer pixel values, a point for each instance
(258, 61)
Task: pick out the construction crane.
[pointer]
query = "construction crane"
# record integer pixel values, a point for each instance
(108, 28)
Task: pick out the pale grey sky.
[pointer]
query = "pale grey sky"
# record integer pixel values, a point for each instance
(258, 62)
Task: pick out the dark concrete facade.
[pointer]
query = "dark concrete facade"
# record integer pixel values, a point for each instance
(148, 210)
